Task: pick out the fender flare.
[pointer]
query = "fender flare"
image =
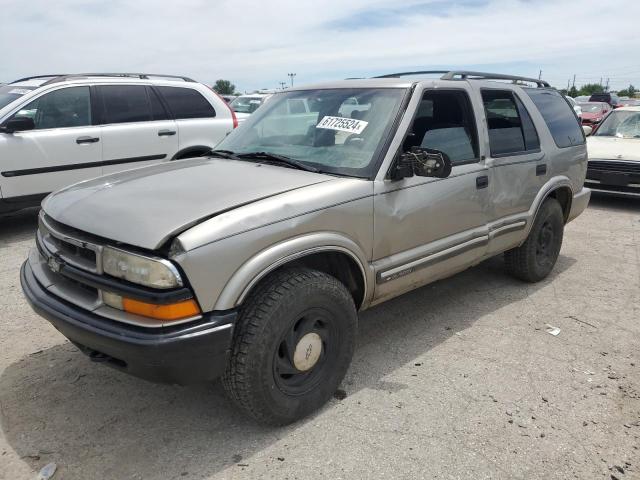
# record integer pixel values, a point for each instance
(548, 188)
(277, 255)
(188, 150)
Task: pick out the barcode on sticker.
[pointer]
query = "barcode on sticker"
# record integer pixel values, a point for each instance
(341, 124)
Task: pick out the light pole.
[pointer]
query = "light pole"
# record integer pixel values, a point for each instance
(283, 85)
(291, 75)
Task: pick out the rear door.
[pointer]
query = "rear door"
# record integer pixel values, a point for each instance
(64, 148)
(518, 166)
(136, 129)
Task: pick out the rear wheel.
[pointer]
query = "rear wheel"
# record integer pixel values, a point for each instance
(292, 347)
(536, 257)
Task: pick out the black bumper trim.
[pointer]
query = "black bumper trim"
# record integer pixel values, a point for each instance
(182, 354)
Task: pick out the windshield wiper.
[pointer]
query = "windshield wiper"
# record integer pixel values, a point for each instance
(274, 157)
(224, 154)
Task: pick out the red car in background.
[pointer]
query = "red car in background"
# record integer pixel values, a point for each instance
(594, 112)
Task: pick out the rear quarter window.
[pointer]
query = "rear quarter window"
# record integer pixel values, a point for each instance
(559, 117)
(186, 103)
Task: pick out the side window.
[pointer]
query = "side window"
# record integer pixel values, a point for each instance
(125, 103)
(445, 122)
(296, 105)
(558, 115)
(511, 130)
(67, 107)
(186, 103)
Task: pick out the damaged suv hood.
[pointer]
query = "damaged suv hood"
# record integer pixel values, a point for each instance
(147, 206)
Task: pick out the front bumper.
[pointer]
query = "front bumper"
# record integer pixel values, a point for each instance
(183, 354)
(617, 177)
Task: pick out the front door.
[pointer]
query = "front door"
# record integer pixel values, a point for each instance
(64, 147)
(428, 228)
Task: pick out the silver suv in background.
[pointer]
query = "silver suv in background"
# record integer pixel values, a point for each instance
(252, 263)
(56, 130)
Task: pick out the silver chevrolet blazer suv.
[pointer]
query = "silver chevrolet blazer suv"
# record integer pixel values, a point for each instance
(252, 263)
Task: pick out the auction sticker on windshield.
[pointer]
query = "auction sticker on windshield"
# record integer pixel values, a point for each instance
(341, 124)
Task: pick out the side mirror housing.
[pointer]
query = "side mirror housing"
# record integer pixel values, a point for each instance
(587, 130)
(422, 162)
(18, 124)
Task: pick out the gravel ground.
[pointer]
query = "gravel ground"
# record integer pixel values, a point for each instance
(455, 380)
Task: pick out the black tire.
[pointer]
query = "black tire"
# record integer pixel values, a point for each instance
(536, 257)
(261, 375)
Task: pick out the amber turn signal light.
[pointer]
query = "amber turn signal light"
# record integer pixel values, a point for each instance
(172, 311)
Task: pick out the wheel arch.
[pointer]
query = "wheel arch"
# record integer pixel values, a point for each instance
(561, 189)
(192, 151)
(331, 253)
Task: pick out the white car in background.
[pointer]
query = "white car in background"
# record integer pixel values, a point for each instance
(576, 107)
(244, 105)
(614, 154)
(56, 130)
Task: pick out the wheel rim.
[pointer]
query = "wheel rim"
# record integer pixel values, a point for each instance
(302, 352)
(545, 245)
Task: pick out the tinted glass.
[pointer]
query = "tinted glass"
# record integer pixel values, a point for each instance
(157, 109)
(186, 103)
(506, 128)
(322, 137)
(125, 103)
(559, 117)
(67, 107)
(444, 121)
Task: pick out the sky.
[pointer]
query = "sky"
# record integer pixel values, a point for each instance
(255, 44)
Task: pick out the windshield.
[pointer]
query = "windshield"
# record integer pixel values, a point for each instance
(622, 124)
(246, 104)
(324, 129)
(592, 107)
(9, 93)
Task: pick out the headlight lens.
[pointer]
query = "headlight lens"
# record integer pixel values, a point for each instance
(154, 273)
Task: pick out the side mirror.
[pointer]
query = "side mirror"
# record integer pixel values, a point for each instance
(423, 162)
(18, 124)
(587, 130)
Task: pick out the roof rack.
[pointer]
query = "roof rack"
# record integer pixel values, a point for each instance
(35, 77)
(62, 77)
(468, 75)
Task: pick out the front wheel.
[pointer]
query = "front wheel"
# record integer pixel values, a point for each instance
(292, 347)
(536, 257)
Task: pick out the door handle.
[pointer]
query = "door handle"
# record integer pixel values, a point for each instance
(482, 182)
(166, 133)
(81, 140)
(541, 169)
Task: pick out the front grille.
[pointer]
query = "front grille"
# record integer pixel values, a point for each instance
(55, 240)
(614, 166)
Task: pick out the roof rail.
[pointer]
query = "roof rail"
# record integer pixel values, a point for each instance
(143, 76)
(407, 74)
(35, 77)
(468, 75)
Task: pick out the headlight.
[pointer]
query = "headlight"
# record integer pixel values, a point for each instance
(150, 272)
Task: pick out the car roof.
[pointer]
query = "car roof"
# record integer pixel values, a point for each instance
(628, 109)
(47, 80)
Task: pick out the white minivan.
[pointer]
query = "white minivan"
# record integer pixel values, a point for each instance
(56, 130)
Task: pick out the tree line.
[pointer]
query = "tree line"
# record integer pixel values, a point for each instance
(591, 88)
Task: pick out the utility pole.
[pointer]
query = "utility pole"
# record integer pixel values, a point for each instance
(568, 82)
(606, 89)
(291, 75)
(574, 80)
(600, 81)
(539, 74)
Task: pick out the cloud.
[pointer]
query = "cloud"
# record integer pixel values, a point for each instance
(255, 44)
